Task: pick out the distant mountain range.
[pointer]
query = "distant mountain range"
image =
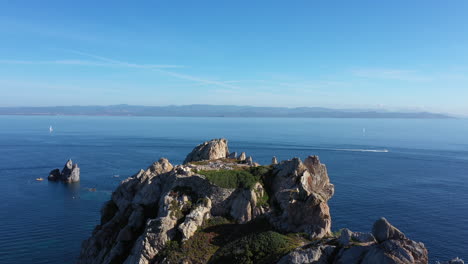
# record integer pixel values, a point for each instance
(214, 111)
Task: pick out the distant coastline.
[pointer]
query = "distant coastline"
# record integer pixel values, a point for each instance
(216, 111)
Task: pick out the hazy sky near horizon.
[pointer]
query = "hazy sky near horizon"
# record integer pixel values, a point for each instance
(362, 54)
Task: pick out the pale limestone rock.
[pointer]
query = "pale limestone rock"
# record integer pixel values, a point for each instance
(210, 150)
(242, 157)
(274, 160)
(161, 166)
(195, 219)
(154, 238)
(244, 205)
(302, 192)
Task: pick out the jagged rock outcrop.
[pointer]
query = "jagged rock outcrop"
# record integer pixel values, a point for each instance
(170, 203)
(195, 219)
(393, 248)
(274, 160)
(242, 157)
(233, 155)
(244, 206)
(70, 173)
(302, 191)
(209, 150)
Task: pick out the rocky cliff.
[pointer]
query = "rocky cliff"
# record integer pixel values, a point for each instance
(220, 208)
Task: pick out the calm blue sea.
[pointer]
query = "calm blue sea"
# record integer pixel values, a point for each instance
(420, 184)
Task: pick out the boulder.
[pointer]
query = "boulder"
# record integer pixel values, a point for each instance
(383, 230)
(345, 237)
(209, 150)
(233, 155)
(396, 251)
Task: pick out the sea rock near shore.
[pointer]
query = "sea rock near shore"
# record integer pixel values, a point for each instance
(70, 173)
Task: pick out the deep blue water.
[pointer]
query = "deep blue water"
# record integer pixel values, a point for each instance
(420, 184)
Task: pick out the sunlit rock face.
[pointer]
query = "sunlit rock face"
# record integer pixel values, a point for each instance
(209, 150)
(302, 190)
(390, 247)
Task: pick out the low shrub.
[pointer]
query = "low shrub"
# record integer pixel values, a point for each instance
(264, 247)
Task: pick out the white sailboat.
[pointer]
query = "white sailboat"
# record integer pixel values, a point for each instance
(51, 129)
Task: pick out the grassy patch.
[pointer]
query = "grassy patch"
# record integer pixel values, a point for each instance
(213, 235)
(241, 178)
(231, 178)
(264, 247)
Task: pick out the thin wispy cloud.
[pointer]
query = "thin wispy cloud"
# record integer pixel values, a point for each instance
(160, 70)
(391, 74)
(84, 63)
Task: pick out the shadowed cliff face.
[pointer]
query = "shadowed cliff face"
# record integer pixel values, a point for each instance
(164, 211)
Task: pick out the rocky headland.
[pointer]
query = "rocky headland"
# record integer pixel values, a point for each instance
(220, 207)
(70, 173)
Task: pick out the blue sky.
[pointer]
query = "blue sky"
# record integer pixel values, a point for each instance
(396, 55)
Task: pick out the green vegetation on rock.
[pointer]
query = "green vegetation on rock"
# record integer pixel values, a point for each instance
(240, 178)
(265, 247)
(200, 247)
(231, 178)
(220, 240)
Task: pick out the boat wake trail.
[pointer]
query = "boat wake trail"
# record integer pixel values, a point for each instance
(355, 150)
(365, 150)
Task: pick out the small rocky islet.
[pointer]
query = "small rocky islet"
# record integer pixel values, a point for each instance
(69, 174)
(218, 207)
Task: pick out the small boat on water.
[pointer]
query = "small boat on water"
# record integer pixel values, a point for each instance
(39, 179)
(51, 129)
